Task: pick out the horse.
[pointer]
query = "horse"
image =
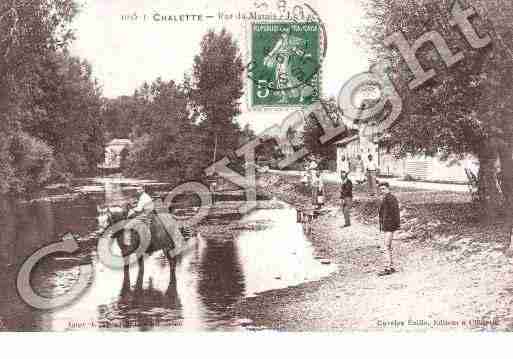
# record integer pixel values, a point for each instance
(128, 240)
(134, 300)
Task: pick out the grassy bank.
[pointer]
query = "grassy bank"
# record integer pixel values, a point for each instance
(426, 216)
(452, 271)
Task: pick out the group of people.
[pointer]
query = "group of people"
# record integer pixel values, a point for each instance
(389, 213)
(361, 171)
(312, 177)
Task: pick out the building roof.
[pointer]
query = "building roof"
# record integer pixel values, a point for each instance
(120, 142)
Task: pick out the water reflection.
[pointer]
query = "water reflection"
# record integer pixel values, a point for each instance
(25, 228)
(114, 195)
(192, 294)
(221, 281)
(279, 256)
(141, 305)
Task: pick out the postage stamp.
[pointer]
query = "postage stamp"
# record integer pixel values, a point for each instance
(285, 64)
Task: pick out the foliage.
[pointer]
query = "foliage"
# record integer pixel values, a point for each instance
(466, 108)
(268, 149)
(247, 134)
(65, 110)
(177, 127)
(26, 163)
(49, 102)
(313, 132)
(170, 140)
(216, 92)
(440, 115)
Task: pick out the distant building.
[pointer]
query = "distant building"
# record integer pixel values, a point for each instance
(113, 153)
(425, 168)
(422, 167)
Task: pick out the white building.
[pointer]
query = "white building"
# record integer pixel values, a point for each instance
(425, 168)
(113, 151)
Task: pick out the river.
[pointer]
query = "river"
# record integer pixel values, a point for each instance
(208, 280)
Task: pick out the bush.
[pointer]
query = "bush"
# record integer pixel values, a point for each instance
(77, 163)
(60, 170)
(6, 169)
(26, 164)
(139, 155)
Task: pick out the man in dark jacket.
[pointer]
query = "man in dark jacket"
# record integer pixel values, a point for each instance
(346, 195)
(389, 222)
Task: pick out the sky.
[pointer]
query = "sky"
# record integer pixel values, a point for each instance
(125, 53)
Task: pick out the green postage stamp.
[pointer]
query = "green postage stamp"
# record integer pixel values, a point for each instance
(285, 64)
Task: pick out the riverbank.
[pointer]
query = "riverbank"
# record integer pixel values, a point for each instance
(452, 271)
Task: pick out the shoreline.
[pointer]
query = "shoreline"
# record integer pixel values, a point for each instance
(451, 270)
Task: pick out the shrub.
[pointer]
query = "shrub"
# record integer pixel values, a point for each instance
(28, 163)
(139, 157)
(6, 169)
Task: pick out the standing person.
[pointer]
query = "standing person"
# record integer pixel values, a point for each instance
(317, 188)
(389, 222)
(312, 165)
(344, 164)
(304, 178)
(346, 195)
(372, 171)
(359, 176)
(321, 197)
(314, 186)
(213, 189)
(312, 168)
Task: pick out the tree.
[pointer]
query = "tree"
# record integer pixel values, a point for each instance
(167, 141)
(120, 117)
(33, 39)
(216, 91)
(268, 149)
(29, 31)
(64, 111)
(247, 135)
(313, 131)
(461, 110)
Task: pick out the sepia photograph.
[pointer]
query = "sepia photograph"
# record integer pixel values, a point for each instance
(256, 167)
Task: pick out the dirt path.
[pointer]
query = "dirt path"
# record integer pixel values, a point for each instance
(450, 284)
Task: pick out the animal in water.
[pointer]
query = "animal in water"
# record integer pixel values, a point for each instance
(128, 240)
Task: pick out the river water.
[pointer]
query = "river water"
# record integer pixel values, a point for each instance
(218, 272)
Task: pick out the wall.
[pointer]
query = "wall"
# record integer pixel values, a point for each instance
(419, 167)
(423, 168)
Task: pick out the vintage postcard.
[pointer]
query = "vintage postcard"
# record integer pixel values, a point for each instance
(256, 166)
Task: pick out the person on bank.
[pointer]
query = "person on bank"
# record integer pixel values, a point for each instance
(346, 195)
(372, 172)
(344, 164)
(389, 222)
(318, 189)
(359, 170)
